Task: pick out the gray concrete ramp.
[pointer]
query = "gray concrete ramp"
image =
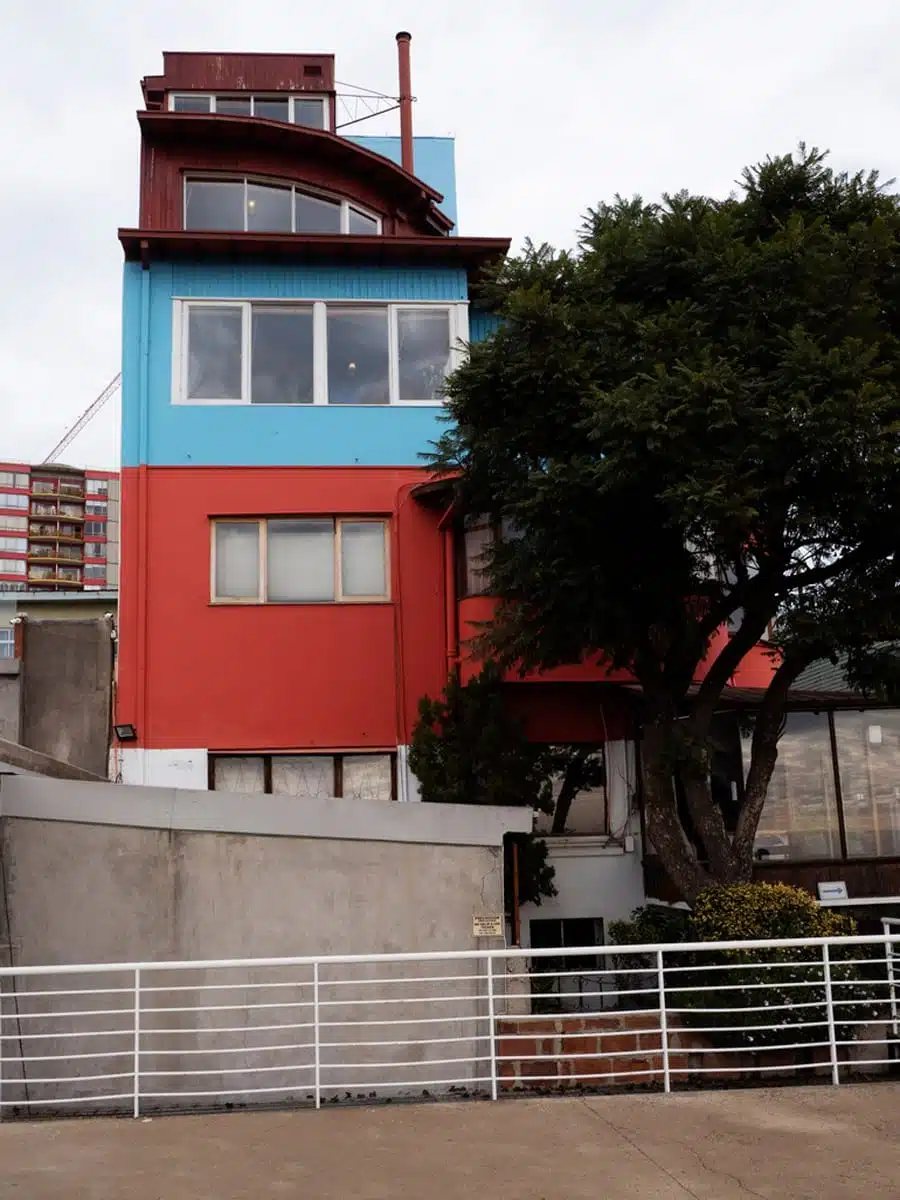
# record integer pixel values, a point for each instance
(782, 1144)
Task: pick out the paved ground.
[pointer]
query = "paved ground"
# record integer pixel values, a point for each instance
(791, 1144)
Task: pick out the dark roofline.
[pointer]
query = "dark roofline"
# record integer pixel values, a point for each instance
(153, 245)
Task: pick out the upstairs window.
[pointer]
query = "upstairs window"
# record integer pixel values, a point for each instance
(245, 205)
(311, 111)
(299, 560)
(239, 352)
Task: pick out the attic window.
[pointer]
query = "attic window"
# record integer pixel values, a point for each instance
(307, 110)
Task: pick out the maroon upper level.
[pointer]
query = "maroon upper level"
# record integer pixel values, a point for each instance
(206, 72)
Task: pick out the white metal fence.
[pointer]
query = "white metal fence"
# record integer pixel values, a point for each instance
(143, 1037)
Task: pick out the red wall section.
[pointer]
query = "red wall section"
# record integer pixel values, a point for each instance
(192, 674)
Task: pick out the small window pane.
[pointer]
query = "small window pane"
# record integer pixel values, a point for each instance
(281, 360)
(233, 106)
(358, 356)
(95, 571)
(310, 776)
(367, 776)
(271, 110)
(423, 337)
(363, 565)
(239, 775)
(361, 223)
(316, 216)
(799, 819)
(95, 549)
(268, 209)
(237, 560)
(301, 561)
(868, 747)
(214, 353)
(21, 481)
(214, 204)
(309, 112)
(478, 539)
(195, 104)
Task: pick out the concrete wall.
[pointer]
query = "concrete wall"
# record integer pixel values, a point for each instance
(10, 699)
(100, 873)
(66, 690)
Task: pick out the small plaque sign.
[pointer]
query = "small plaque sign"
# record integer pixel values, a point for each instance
(836, 890)
(488, 925)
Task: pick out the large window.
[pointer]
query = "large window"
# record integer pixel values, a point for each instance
(13, 500)
(307, 776)
(311, 111)
(95, 529)
(97, 508)
(238, 352)
(868, 751)
(12, 566)
(254, 206)
(16, 479)
(835, 790)
(300, 560)
(97, 487)
(16, 545)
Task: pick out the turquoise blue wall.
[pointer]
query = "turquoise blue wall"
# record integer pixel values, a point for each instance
(433, 160)
(157, 433)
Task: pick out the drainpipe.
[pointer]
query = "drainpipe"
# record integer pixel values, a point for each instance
(406, 100)
(450, 601)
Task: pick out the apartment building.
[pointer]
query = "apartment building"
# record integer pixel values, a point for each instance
(59, 528)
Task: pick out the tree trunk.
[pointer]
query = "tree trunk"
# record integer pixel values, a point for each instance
(664, 829)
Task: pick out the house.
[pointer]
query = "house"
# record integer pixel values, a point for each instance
(292, 580)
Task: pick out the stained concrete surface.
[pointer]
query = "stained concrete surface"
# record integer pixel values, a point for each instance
(791, 1144)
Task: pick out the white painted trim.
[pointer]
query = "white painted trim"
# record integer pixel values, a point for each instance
(181, 307)
(587, 846)
(276, 181)
(291, 97)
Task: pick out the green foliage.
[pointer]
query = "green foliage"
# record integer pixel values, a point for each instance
(692, 416)
(467, 749)
(721, 992)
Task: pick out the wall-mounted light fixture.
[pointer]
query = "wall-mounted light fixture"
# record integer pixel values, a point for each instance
(125, 733)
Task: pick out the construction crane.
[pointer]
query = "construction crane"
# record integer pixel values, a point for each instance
(87, 416)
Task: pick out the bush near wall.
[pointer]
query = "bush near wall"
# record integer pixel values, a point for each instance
(734, 998)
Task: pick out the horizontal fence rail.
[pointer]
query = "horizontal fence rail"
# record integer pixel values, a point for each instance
(145, 1037)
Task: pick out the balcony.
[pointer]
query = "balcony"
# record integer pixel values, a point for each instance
(61, 533)
(40, 509)
(69, 577)
(57, 553)
(48, 487)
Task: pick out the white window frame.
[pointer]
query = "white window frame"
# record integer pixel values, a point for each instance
(284, 184)
(7, 642)
(458, 313)
(291, 97)
(262, 524)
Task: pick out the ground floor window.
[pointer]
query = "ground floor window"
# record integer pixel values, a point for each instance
(835, 791)
(307, 776)
(567, 982)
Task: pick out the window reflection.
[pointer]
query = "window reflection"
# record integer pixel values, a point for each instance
(423, 341)
(800, 818)
(358, 356)
(868, 746)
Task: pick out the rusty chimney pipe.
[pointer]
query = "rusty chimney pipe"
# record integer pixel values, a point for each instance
(406, 133)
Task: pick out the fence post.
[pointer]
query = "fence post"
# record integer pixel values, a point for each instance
(829, 1006)
(492, 1024)
(663, 1020)
(137, 1041)
(891, 976)
(318, 1063)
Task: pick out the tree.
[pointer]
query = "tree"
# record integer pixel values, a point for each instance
(467, 748)
(693, 419)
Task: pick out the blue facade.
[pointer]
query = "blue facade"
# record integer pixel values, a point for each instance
(434, 161)
(157, 432)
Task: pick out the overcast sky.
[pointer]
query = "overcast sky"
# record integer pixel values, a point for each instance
(555, 105)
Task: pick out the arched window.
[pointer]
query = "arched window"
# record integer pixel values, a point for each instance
(242, 204)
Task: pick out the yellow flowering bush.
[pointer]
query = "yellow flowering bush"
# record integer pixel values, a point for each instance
(760, 911)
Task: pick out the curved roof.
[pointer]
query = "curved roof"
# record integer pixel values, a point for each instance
(299, 142)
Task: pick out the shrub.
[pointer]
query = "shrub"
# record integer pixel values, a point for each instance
(756, 999)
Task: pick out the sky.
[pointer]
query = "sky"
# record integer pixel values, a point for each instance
(555, 105)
